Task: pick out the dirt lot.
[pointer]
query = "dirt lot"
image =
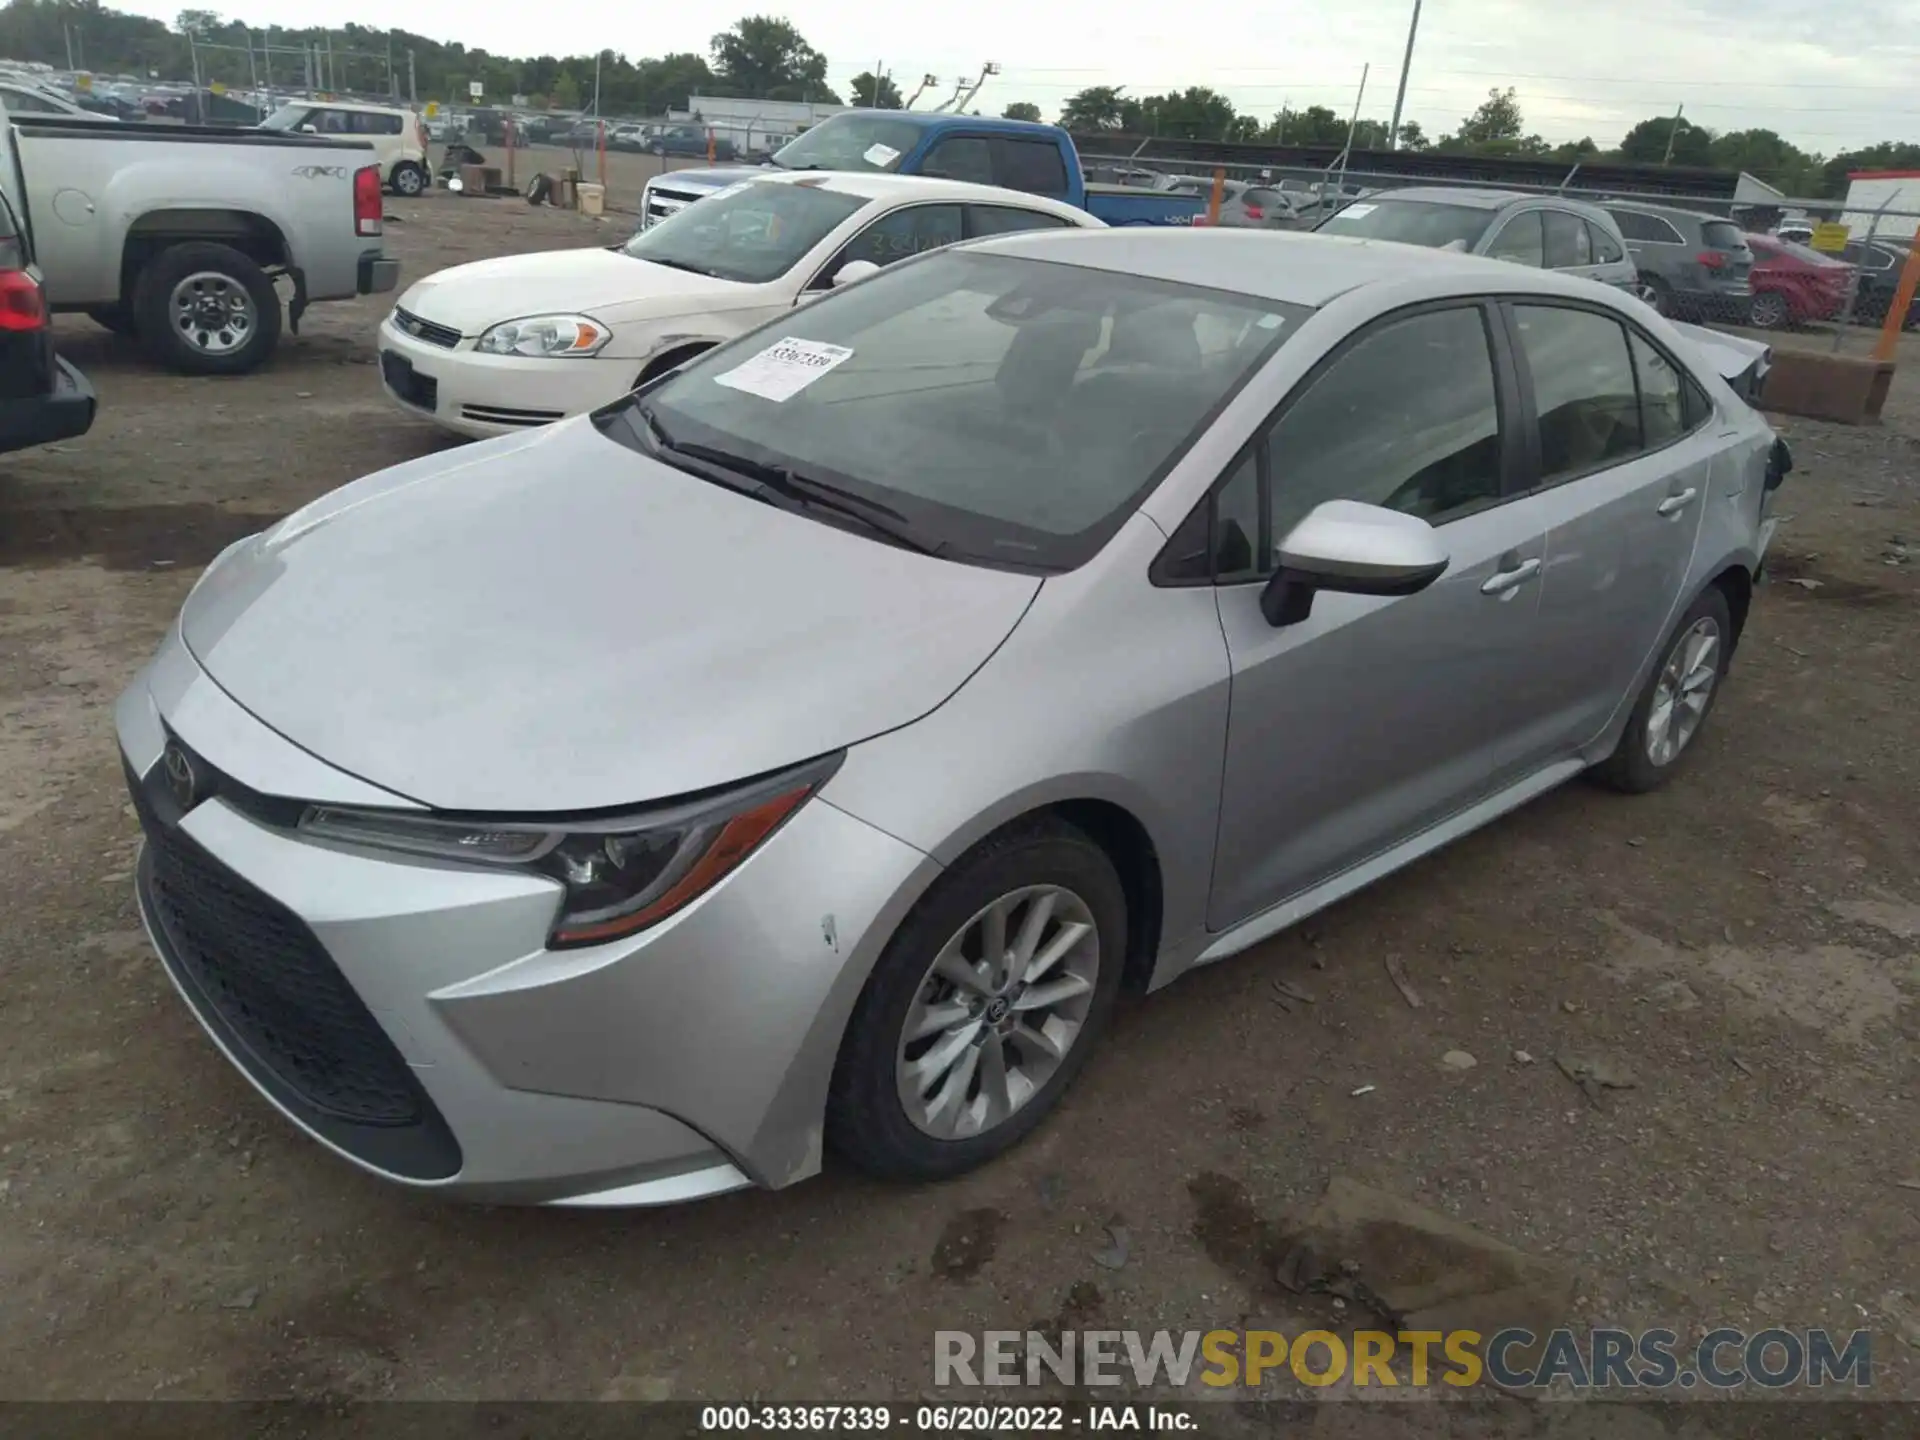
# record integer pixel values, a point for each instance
(1746, 943)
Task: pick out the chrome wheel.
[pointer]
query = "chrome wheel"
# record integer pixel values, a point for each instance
(1768, 311)
(997, 1012)
(1685, 686)
(213, 312)
(409, 180)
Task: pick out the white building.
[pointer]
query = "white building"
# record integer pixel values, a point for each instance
(757, 124)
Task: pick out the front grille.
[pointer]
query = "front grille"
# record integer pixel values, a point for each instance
(445, 336)
(662, 203)
(502, 415)
(261, 969)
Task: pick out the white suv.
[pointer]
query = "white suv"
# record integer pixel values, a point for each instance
(399, 136)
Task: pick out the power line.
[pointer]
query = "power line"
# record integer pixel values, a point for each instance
(1680, 81)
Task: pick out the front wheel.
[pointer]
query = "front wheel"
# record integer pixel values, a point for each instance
(1674, 704)
(982, 1008)
(206, 309)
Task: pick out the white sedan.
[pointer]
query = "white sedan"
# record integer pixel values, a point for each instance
(501, 345)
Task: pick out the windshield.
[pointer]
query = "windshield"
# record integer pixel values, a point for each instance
(850, 142)
(1013, 412)
(1412, 222)
(751, 233)
(286, 117)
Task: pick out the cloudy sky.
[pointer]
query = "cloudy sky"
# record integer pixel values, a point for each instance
(1828, 77)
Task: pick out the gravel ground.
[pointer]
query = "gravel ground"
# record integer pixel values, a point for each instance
(1746, 943)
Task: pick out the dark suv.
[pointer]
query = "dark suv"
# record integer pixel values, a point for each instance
(1880, 263)
(1690, 264)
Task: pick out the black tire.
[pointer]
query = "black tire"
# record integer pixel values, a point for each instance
(117, 318)
(656, 148)
(663, 363)
(1657, 293)
(1631, 769)
(168, 343)
(539, 188)
(409, 179)
(866, 1123)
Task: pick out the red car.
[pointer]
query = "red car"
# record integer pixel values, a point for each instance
(1793, 284)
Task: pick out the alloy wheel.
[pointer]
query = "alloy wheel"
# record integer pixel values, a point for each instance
(997, 1012)
(1687, 678)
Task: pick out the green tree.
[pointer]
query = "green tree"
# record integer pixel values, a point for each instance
(1196, 113)
(671, 82)
(876, 92)
(1647, 143)
(1412, 137)
(1021, 110)
(1098, 107)
(1496, 121)
(767, 59)
(1766, 156)
(1315, 125)
(1887, 155)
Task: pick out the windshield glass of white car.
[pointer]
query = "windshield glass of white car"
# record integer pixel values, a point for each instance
(1009, 411)
(1412, 222)
(850, 142)
(752, 233)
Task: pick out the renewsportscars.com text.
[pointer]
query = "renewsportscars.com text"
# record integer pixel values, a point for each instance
(1606, 1359)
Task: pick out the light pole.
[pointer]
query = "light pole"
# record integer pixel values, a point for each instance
(1400, 95)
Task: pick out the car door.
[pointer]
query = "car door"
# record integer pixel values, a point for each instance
(1518, 237)
(1622, 456)
(1374, 717)
(1567, 245)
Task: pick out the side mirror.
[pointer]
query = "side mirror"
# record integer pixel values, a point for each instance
(854, 270)
(308, 130)
(1354, 549)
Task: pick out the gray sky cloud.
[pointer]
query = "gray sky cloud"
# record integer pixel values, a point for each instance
(1825, 77)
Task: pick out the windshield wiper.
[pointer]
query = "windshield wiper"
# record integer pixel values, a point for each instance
(769, 480)
(688, 266)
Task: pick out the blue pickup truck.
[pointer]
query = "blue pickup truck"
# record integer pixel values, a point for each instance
(1016, 154)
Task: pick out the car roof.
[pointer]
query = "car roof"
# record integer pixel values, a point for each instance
(1293, 268)
(876, 185)
(1473, 197)
(1647, 207)
(361, 106)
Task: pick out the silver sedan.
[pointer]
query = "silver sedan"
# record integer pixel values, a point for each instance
(802, 755)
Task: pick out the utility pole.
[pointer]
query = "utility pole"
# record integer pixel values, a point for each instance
(66, 32)
(1400, 95)
(393, 87)
(1673, 134)
(596, 82)
(413, 83)
(193, 51)
(878, 70)
(1347, 149)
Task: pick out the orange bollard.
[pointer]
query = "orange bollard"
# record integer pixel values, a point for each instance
(1889, 342)
(506, 127)
(709, 145)
(1219, 192)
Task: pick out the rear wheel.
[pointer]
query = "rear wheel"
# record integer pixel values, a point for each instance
(1654, 291)
(1674, 704)
(206, 309)
(1769, 311)
(983, 1007)
(408, 178)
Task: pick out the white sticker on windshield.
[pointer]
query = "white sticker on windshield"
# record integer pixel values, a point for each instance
(784, 368)
(881, 155)
(1355, 211)
(1270, 322)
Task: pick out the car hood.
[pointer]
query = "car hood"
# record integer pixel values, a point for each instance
(471, 297)
(715, 179)
(552, 622)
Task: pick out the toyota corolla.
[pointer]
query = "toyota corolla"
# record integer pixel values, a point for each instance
(801, 754)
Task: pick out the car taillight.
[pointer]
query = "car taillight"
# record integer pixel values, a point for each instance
(1712, 259)
(1254, 212)
(366, 200)
(23, 305)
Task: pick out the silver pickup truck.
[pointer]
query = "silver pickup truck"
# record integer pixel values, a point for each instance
(177, 234)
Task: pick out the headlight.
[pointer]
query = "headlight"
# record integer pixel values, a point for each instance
(621, 874)
(549, 335)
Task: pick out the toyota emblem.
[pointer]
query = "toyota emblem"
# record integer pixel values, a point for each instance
(183, 782)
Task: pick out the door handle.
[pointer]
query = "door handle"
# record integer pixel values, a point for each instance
(1674, 504)
(1505, 580)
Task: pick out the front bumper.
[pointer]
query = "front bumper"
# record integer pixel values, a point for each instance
(480, 396)
(64, 412)
(407, 1015)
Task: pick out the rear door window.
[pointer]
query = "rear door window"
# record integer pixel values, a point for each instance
(1584, 396)
(1006, 219)
(1649, 229)
(1521, 240)
(1567, 246)
(1034, 166)
(903, 234)
(1663, 400)
(960, 157)
(1606, 250)
(367, 122)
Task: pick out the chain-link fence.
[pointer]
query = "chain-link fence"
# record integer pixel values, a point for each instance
(1703, 255)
